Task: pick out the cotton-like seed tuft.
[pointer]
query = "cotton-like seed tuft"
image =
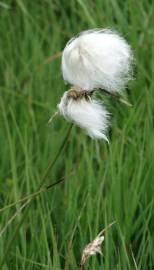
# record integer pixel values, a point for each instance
(97, 59)
(87, 114)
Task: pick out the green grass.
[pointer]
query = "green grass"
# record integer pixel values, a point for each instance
(109, 182)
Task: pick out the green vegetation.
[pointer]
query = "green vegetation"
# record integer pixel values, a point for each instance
(103, 182)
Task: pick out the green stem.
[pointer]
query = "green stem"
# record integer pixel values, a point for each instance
(28, 203)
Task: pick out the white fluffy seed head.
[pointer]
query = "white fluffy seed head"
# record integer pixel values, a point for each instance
(87, 114)
(97, 59)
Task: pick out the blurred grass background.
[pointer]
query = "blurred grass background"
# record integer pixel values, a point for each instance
(114, 182)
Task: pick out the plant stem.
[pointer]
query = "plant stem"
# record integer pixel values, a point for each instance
(117, 97)
(28, 203)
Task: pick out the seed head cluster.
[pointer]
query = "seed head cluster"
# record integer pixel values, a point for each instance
(95, 59)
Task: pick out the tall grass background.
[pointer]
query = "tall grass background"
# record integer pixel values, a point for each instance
(102, 182)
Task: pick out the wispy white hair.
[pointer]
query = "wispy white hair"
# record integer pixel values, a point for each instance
(87, 114)
(97, 59)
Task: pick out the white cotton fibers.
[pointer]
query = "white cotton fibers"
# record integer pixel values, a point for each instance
(88, 114)
(97, 59)
(94, 60)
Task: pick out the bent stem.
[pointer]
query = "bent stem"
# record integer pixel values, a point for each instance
(34, 194)
(28, 203)
(28, 197)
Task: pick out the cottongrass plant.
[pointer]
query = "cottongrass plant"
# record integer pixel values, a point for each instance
(98, 59)
(85, 111)
(94, 60)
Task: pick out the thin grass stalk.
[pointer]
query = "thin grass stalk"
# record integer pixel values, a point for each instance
(28, 203)
(70, 243)
(31, 196)
(34, 194)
